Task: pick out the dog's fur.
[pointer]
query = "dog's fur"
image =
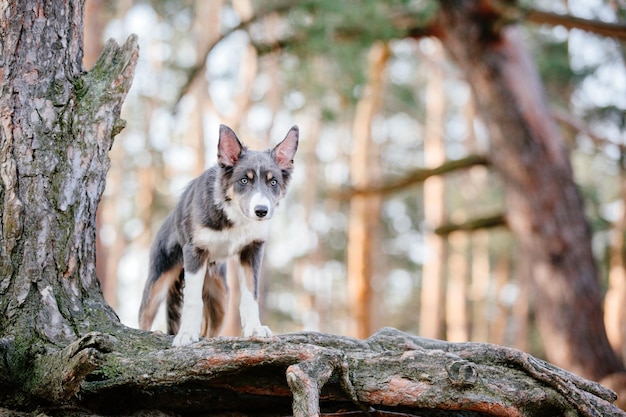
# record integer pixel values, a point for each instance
(223, 213)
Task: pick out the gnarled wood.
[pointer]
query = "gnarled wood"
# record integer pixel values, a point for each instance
(390, 371)
(57, 376)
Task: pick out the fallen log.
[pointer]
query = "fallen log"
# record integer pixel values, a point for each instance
(308, 374)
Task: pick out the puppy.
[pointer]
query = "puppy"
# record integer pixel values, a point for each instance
(223, 213)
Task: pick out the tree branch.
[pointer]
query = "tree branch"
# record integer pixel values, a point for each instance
(198, 69)
(489, 222)
(512, 12)
(577, 124)
(612, 30)
(390, 371)
(416, 177)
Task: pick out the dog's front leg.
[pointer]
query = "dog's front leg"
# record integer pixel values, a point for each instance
(250, 261)
(195, 264)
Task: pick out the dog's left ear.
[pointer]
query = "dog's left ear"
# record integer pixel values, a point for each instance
(284, 152)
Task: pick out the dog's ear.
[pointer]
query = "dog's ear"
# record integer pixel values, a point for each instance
(228, 148)
(284, 152)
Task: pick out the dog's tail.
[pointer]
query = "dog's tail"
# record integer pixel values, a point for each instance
(156, 290)
(166, 269)
(174, 303)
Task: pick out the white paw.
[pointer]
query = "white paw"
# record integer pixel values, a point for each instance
(184, 339)
(257, 331)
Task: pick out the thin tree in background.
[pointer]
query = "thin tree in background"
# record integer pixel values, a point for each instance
(205, 31)
(456, 305)
(431, 316)
(365, 210)
(480, 267)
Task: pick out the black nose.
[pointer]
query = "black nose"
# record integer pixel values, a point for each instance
(261, 211)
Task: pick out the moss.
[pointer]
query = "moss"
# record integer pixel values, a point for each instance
(19, 356)
(80, 88)
(113, 367)
(119, 125)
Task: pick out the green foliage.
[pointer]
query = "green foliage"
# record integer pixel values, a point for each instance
(330, 40)
(552, 58)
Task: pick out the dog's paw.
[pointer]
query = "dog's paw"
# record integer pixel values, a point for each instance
(257, 331)
(184, 339)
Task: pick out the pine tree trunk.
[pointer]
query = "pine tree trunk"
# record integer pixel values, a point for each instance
(57, 126)
(545, 209)
(431, 316)
(365, 210)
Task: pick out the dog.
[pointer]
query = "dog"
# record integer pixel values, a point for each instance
(223, 213)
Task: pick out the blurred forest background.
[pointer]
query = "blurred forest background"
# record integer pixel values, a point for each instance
(381, 108)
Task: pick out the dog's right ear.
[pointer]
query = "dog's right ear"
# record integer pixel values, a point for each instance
(228, 148)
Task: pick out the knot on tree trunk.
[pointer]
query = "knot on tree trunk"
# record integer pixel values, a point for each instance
(57, 376)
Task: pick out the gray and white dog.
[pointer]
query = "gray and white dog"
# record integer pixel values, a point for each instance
(223, 213)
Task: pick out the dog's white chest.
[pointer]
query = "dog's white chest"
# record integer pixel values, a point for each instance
(225, 243)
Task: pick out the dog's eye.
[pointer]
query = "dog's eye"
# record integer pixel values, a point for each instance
(273, 182)
(243, 181)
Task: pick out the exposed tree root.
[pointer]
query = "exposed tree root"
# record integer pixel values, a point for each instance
(58, 375)
(310, 374)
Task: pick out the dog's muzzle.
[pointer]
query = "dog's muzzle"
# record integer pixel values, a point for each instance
(259, 207)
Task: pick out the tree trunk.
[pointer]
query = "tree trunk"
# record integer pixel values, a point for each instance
(57, 126)
(456, 305)
(431, 316)
(364, 216)
(545, 207)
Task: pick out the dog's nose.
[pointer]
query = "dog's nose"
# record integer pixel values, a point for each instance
(261, 211)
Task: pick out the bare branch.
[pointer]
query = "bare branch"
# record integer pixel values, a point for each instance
(489, 222)
(512, 12)
(416, 177)
(198, 69)
(612, 30)
(575, 123)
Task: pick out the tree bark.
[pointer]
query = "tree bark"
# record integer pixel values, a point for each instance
(312, 373)
(57, 125)
(545, 210)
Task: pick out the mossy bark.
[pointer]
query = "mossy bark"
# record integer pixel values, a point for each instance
(57, 126)
(308, 374)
